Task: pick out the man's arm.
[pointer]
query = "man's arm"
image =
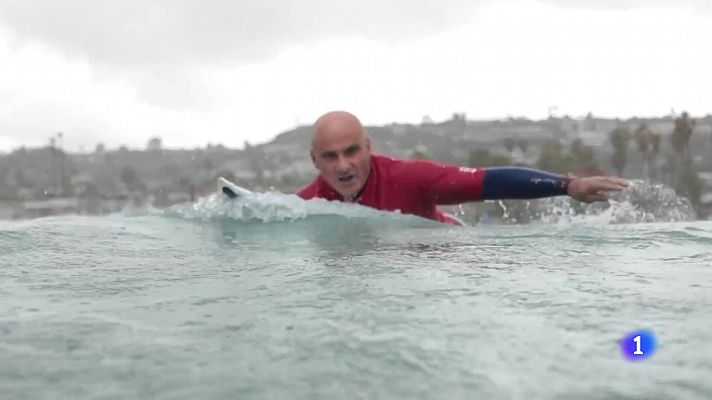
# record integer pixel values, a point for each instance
(448, 184)
(521, 183)
(525, 183)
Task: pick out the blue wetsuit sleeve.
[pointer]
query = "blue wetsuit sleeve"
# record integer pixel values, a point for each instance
(521, 183)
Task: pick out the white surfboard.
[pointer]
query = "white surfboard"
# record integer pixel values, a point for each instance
(231, 190)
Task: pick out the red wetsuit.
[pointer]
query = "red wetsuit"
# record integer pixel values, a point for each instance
(411, 186)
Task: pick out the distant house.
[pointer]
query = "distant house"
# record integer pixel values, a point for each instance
(301, 169)
(280, 148)
(239, 167)
(592, 138)
(400, 129)
(41, 208)
(706, 178)
(663, 127)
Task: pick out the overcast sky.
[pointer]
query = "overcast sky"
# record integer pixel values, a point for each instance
(227, 71)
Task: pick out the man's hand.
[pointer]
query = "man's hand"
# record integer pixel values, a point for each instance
(589, 189)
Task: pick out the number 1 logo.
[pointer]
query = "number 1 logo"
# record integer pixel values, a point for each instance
(637, 351)
(638, 345)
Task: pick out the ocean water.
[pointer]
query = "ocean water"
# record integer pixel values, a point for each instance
(275, 298)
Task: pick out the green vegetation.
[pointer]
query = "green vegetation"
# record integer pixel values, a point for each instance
(483, 158)
(554, 158)
(523, 145)
(509, 144)
(619, 139)
(680, 137)
(648, 143)
(688, 183)
(686, 178)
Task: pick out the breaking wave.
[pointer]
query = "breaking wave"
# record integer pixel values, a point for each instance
(641, 202)
(278, 207)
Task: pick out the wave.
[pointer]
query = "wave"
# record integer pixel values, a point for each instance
(641, 202)
(278, 207)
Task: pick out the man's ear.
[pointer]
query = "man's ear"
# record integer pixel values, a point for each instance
(311, 154)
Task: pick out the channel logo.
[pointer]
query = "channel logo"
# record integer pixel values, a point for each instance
(638, 345)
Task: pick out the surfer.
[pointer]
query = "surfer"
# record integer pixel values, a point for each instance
(349, 171)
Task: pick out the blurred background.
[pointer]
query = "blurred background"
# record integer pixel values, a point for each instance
(106, 106)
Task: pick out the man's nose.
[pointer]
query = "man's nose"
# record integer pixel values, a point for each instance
(343, 164)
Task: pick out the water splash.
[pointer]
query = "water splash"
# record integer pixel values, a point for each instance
(274, 207)
(266, 207)
(640, 202)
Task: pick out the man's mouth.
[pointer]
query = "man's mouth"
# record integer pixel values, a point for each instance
(346, 179)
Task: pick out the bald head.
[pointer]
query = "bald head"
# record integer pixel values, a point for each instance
(336, 124)
(341, 151)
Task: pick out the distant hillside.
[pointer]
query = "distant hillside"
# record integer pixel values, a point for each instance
(163, 176)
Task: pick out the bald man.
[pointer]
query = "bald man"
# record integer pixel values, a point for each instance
(350, 172)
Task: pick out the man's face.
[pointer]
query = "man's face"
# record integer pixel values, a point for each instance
(343, 157)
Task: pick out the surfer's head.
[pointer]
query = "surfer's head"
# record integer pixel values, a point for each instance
(341, 151)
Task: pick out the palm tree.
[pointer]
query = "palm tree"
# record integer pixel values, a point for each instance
(648, 143)
(680, 138)
(509, 144)
(619, 139)
(523, 145)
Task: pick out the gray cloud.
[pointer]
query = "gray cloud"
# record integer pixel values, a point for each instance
(185, 32)
(181, 33)
(159, 44)
(155, 42)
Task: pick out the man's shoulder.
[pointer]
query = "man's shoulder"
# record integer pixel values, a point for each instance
(386, 166)
(383, 159)
(385, 163)
(397, 165)
(405, 173)
(310, 190)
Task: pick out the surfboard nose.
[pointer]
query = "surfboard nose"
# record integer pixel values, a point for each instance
(230, 189)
